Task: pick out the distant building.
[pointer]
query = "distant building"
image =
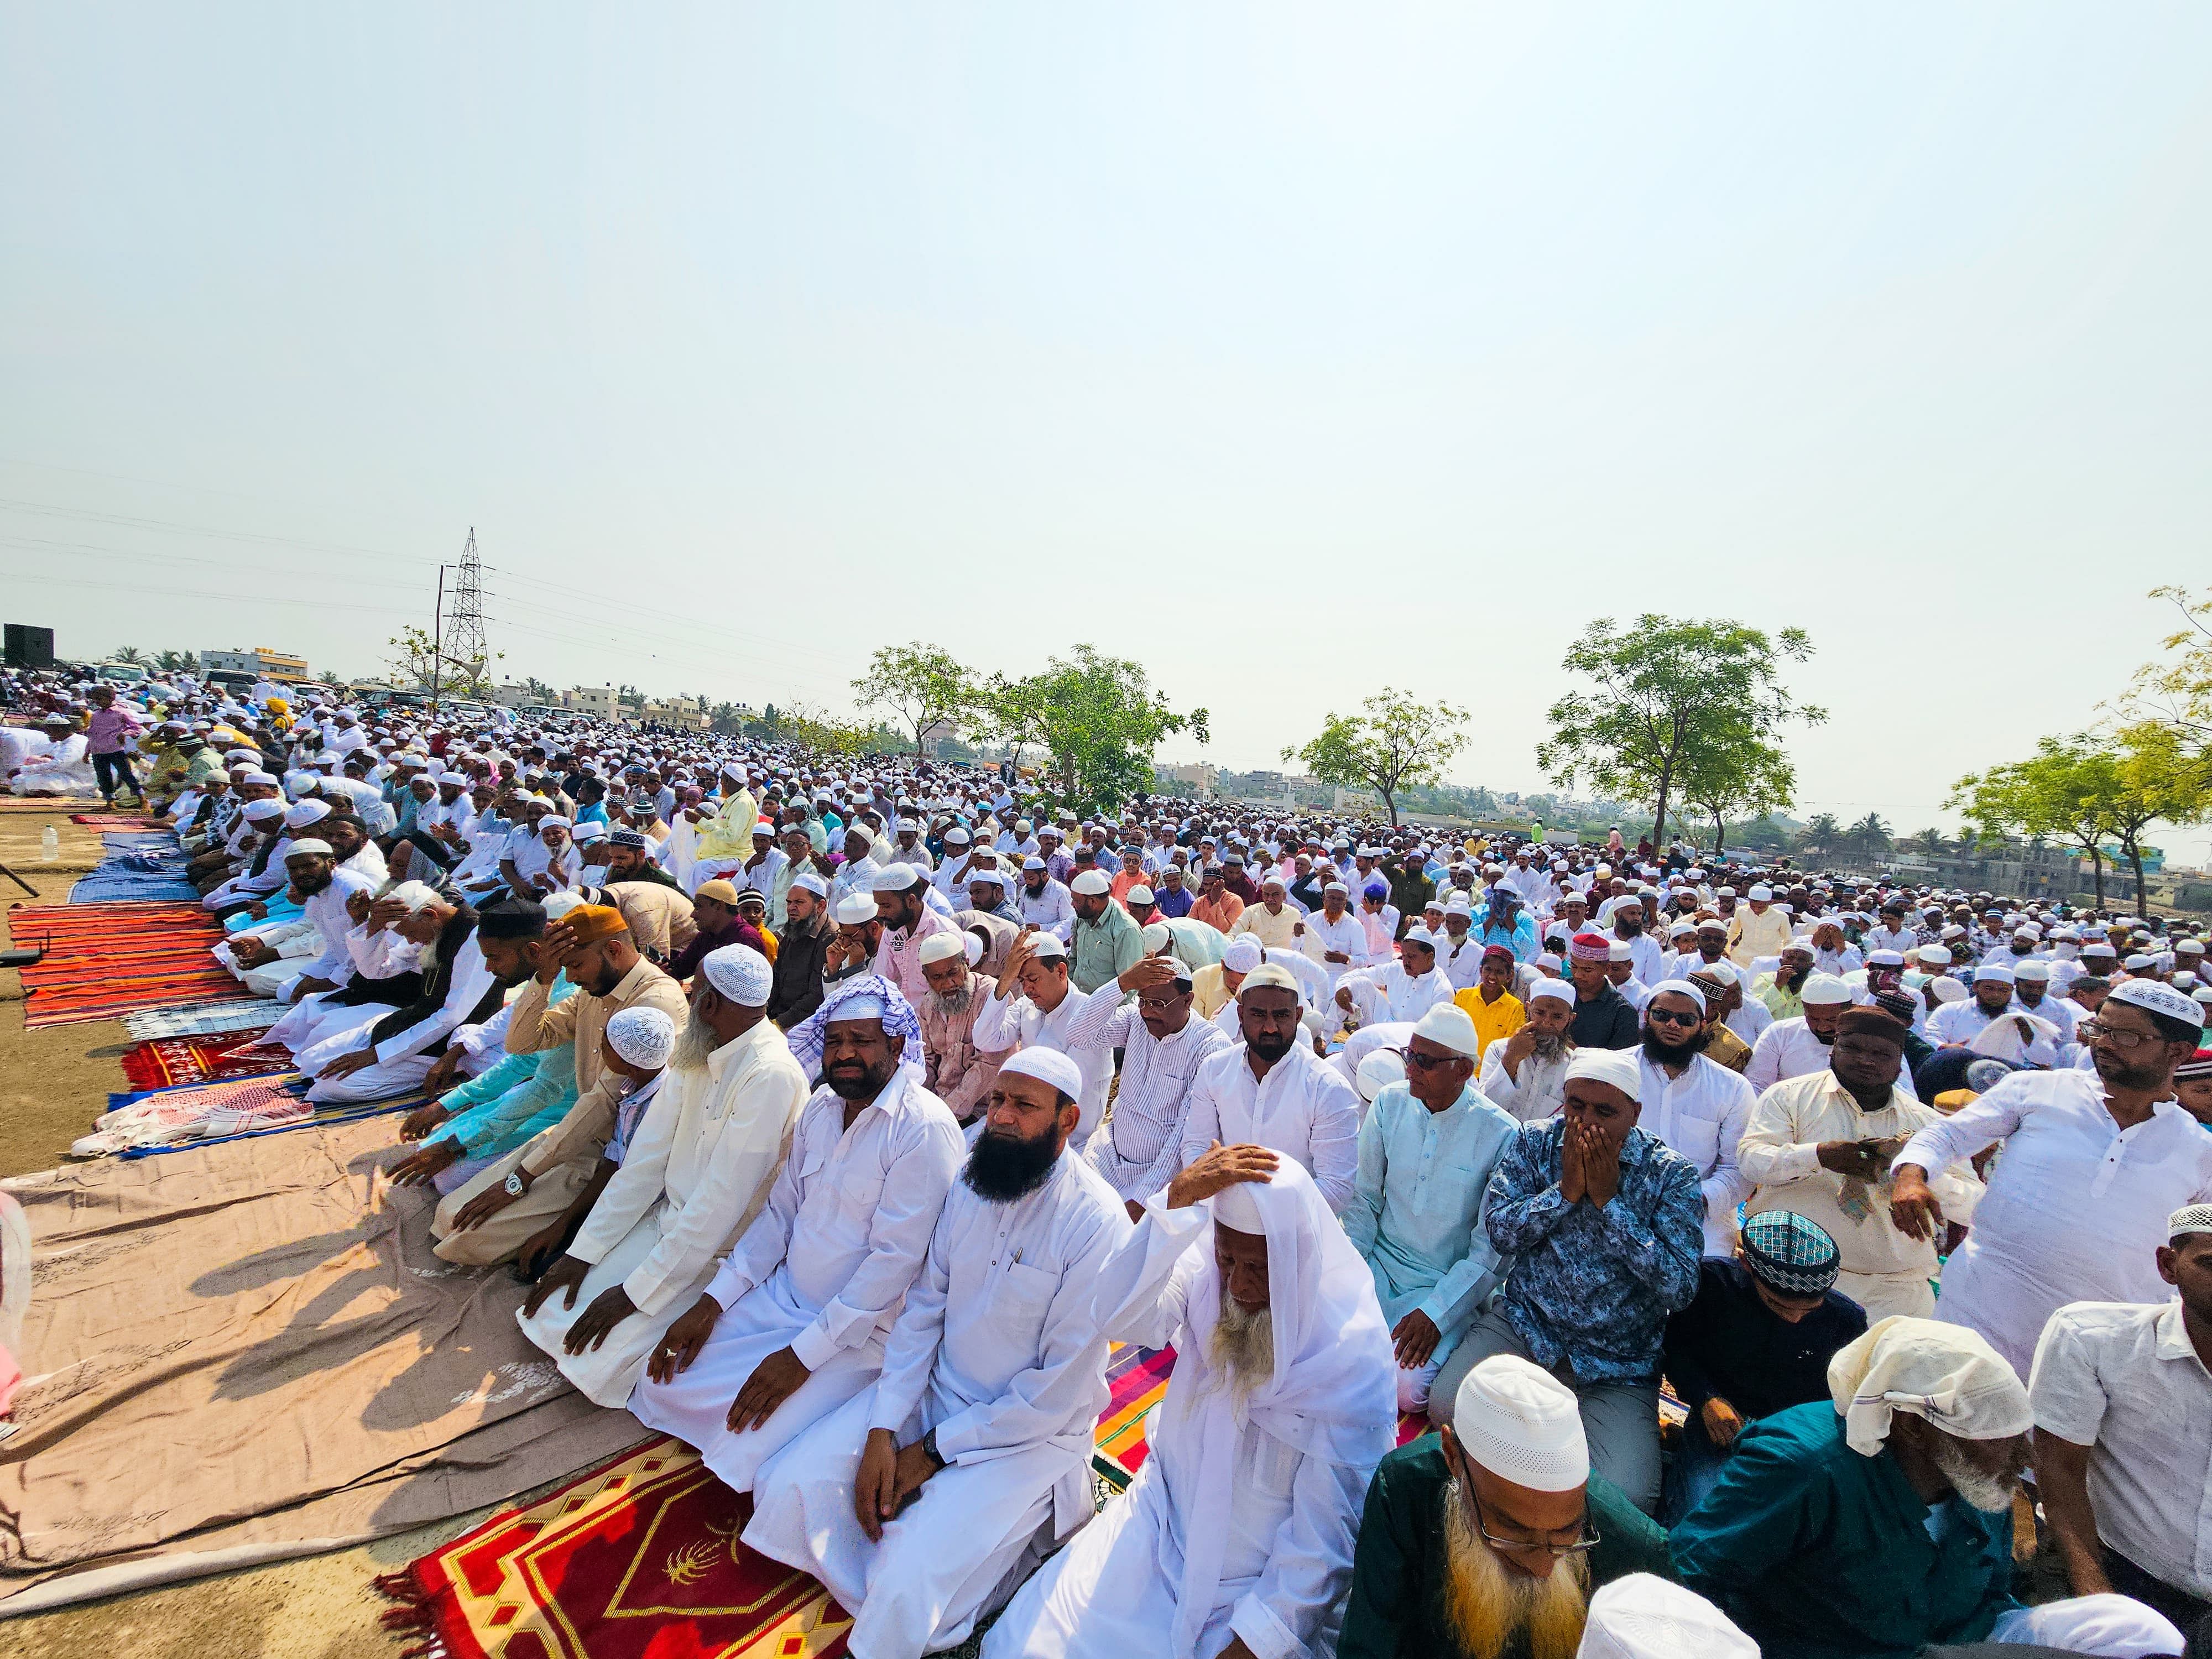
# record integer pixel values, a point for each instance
(278, 665)
(1198, 778)
(598, 700)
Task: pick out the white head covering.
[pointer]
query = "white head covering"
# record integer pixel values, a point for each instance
(855, 909)
(1447, 1023)
(1048, 1066)
(643, 1036)
(414, 895)
(1683, 988)
(1825, 989)
(1947, 1374)
(1378, 1072)
(894, 878)
(1618, 1067)
(1519, 1421)
(1331, 1394)
(941, 947)
(1563, 989)
(739, 973)
(1244, 955)
(1643, 1616)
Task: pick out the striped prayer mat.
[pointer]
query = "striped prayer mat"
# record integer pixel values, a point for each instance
(103, 960)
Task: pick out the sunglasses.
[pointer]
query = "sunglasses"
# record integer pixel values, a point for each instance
(1668, 1017)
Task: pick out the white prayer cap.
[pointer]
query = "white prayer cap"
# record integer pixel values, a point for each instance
(262, 811)
(1236, 1207)
(1447, 1023)
(1378, 1072)
(1760, 893)
(2154, 998)
(414, 895)
(1047, 946)
(2035, 970)
(1620, 951)
(893, 879)
(552, 821)
(1337, 887)
(1933, 955)
(1644, 1616)
(1616, 1067)
(1947, 1374)
(2191, 1219)
(855, 909)
(1522, 1424)
(1993, 972)
(557, 905)
(1141, 894)
(942, 947)
(1682, 988)
(309, 845)
(1033, 862)
(1092, 883)
(1562, 990)
(1243, 954)
(306, 812)
(739, 973)
(807, 881)
(1825, 990)
(956, 836)
(643, 1036)
(1048, 1066)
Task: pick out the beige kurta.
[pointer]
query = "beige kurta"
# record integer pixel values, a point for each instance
(1885, 1271)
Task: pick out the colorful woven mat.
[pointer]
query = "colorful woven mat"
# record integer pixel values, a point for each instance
(167, 1062)
(114, 820)
(103, 960)
(641, 1559)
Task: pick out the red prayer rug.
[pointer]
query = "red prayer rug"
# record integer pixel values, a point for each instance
(115, 821)
(166, 1062)
(103, 960)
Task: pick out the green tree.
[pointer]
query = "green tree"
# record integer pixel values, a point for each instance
(1666, 693)
(177, 662)
(1930, 843)
(1098, 719)
(417, 664)
(924, 685)
(2159, 776)
(540, 690)
(2064, 793)
(2177, 692)
(1868, 840)
(130, 654)
(1822, 836)
(1746, 776)
(1399, 743)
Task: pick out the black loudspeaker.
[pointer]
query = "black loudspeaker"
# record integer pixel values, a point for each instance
(28, 647)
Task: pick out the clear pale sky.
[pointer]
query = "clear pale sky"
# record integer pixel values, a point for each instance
(1291, 351)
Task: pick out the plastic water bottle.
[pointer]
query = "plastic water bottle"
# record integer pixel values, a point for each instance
(50, 844)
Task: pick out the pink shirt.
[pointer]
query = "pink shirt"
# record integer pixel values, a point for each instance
(107, 727)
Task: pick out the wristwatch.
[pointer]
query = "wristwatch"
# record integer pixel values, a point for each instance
(929, 1449)
(515, 1185)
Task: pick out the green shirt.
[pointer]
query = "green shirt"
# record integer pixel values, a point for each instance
(1820, 1553)
(1105, 949)
(1396, 1609)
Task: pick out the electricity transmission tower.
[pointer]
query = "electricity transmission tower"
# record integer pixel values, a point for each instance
(459, 631)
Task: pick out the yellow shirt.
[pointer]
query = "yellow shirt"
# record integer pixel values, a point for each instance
(1492, 1020)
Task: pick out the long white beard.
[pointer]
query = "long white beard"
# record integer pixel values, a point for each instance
(951, 1007)
(1241, 1349)
(1991, 1493)
(1484, 1604)
(694, 1043)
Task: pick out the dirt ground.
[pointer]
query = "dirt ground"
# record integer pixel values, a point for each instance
(52, 1084)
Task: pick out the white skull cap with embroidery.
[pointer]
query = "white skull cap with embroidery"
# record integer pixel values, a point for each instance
(1519, 1421)
(739, 973)
(642, 1036)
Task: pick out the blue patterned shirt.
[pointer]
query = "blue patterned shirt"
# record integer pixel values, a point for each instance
(1589, 1286)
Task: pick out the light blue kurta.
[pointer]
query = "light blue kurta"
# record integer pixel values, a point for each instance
(1416, 1215)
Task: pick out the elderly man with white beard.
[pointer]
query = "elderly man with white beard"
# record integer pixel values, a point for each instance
(924, 1502)
(793, 1324)
(1235, 1538)
(1526, 1074)
(958, 1071)
(1873, 1526)
(1485, 1540)
(692, 1176)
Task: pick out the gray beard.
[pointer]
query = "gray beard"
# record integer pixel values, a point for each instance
(1991, 1494)
(693, 1044)
(951, 1007)
(1548, 1048)
(1241, 1349)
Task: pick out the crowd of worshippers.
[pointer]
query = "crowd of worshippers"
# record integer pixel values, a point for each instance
(840, 1122)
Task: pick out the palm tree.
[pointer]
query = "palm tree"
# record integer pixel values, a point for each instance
(132, 654)
(1932, 842)
(176, 662)
(1820, 835)
(1870, 837)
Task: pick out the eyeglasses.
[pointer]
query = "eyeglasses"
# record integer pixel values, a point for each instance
(1669, 1017)
(2126, 1042)
(1587, 1540)
(1425, 1062)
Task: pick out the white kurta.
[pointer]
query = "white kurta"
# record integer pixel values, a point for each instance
(1787, 1049)
(998, 1351)
(822, 1271)
(693, 1175)
(1140, 1148)
(1291, 1519)
(1388, 992)
(1301, 1108)
(1538, 1092)
(1701, 1114)
(2076, 1208)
